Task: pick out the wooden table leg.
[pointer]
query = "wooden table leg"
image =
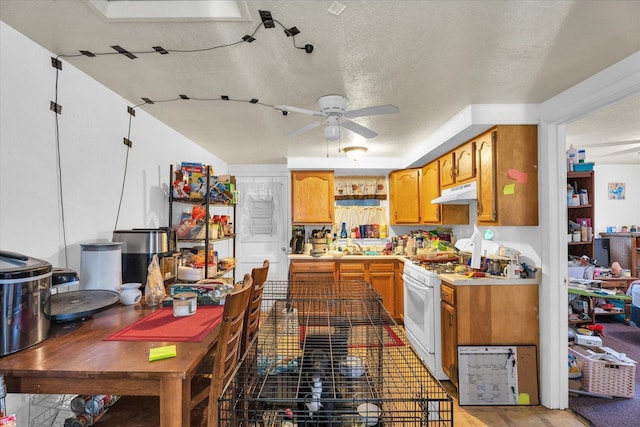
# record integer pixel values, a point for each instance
(175, 394)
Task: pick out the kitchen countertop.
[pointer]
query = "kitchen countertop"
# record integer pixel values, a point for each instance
(461, 280)
(451, 278)
(347, 257)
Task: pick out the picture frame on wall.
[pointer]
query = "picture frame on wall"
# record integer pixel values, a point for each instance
(616, 190)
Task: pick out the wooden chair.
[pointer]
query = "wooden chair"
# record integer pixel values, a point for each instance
(144, 410)
(252, 315)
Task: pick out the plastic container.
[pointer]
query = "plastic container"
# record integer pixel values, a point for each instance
(581, 155)
(583, 167)
(584, 197)
(572, 158)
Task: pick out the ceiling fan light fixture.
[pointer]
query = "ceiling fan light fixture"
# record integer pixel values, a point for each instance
(332, 132)
(355, 153)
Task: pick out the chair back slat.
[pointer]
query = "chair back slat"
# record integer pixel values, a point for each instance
(252, 315)
(228, 346)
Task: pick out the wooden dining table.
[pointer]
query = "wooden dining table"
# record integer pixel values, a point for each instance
(76, 359)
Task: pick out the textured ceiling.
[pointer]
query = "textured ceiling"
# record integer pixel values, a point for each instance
(429, 58)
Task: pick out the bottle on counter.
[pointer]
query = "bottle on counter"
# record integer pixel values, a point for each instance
(343, 232)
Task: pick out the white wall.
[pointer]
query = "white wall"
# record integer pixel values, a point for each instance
(616, 212)
(92, 126)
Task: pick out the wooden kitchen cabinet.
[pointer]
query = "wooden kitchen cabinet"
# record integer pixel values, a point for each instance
(382, 279)
(381, 274)
(458, 166)
(404, 196)
(312, 271)
(507, 177)
(437, 214)
(449, 335)
(429, 190)
(486, 315)
(317, 274)
(312, 197)
(352, 271)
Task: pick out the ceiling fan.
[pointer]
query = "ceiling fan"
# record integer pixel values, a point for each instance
(334, 113)
(635, 147)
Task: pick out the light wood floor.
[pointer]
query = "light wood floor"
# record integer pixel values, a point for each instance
(511, 416)
(493, 416)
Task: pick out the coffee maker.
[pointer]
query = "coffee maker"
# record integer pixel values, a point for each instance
(138, 247)
(297, 239)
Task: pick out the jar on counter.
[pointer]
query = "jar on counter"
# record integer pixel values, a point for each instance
(185, 304)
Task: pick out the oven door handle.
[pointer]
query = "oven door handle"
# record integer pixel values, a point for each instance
(412, 283)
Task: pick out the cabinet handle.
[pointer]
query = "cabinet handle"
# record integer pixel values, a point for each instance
(437, 212)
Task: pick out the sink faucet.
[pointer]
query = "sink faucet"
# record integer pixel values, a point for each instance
(359, 251)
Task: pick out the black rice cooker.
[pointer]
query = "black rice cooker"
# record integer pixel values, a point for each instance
(25, 286)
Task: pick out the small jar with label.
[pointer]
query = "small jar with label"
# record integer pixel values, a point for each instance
(185, 304)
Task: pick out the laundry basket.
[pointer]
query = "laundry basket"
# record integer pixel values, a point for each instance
(605, 377)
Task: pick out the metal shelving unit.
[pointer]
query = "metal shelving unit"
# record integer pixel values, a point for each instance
(208, 204)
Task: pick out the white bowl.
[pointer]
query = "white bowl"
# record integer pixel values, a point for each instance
(131, 285)
(369, 413)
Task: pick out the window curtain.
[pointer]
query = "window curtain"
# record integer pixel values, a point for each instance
(360, 187)
(354, 216)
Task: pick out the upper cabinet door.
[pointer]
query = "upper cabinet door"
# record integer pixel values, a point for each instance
(404, 197)
(447, 170)
(486, 178)
(429, 190)
(312, 197)
(465, 162)
(458, 165)
(508, 176)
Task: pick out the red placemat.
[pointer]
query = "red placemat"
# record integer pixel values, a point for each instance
(161, 325)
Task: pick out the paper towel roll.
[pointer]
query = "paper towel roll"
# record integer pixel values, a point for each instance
(476, 249)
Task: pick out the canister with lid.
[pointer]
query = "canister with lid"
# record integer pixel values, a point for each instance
(185, 304)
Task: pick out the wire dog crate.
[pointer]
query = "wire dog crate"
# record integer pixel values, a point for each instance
(328, 354)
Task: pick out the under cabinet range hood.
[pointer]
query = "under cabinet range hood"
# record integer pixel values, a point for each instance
(461, 194)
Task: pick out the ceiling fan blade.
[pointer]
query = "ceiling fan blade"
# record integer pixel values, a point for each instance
(359, 129)
(617, 153)
(372, 111)
(614, 143)
(303, 129)
(289, 108)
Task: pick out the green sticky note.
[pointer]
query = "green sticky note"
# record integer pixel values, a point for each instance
(509, 189)
(159, 353)
(523, 399)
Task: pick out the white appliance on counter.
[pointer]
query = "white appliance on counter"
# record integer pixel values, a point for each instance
(422, 315)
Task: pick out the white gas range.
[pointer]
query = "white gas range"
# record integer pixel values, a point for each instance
(422, 315)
